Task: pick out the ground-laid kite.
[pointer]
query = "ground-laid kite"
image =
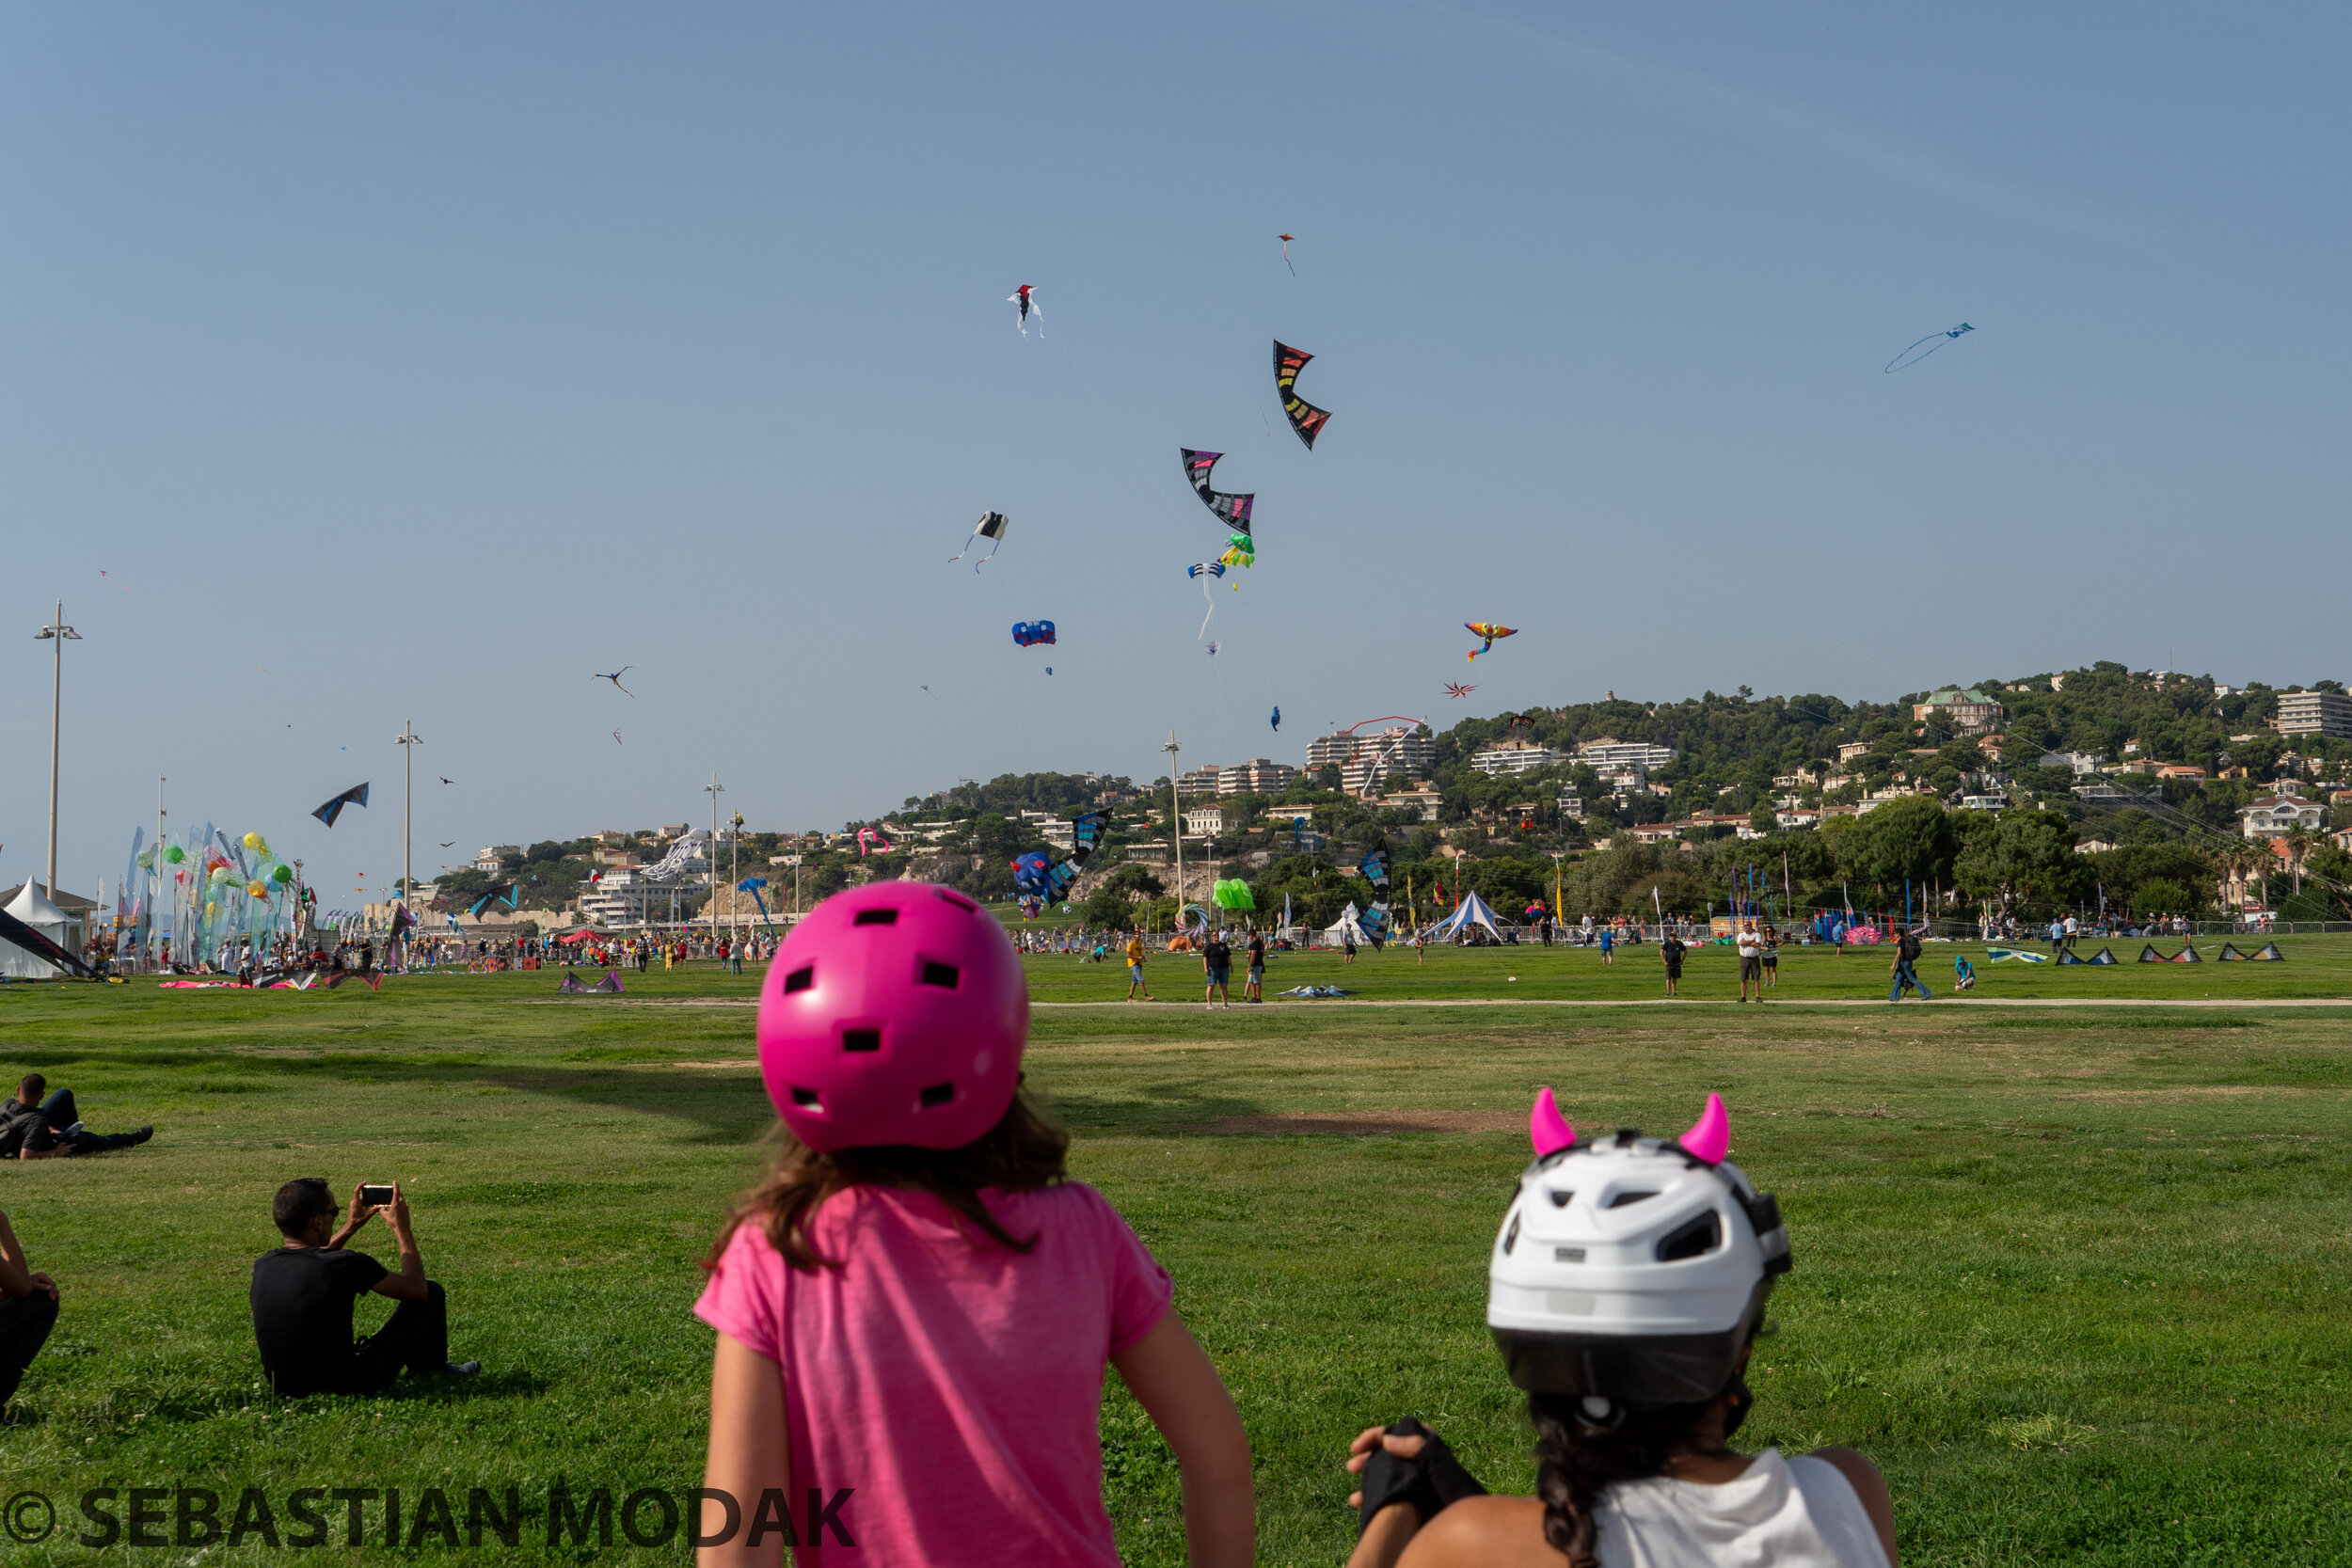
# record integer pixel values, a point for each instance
(1277, 721)
(1025, 298)
(1455, 689)
(1926, 346)
(1207, 571)
(991, 528)
(1491, 631)
(356, 796)
(1307, 421)
(1373, 868)
(615, 678)
(1030, 633)
(1232, 510)
(1286, 240)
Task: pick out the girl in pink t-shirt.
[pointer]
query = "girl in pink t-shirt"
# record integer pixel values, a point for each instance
(915, 1310)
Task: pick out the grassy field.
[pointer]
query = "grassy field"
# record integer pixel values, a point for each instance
(2074, 1276)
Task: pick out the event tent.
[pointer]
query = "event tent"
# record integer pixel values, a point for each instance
(34, 909)
(1473, 909)
(1348, 928)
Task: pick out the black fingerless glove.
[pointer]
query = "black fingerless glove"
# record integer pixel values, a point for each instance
(1429, 1481)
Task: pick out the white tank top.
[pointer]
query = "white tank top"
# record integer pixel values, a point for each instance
(1782, 1513)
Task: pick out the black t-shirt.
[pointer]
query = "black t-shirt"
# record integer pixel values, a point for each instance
(1218, 956)
(302, 1300)
(1257, 952)
(21, 1129)
(1907, 948)
(1672, 952)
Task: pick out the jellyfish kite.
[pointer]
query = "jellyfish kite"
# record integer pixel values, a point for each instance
(1025, 298)
(1924, 347)
(991, 527)
(1208, 572)
(1491, 631)
(1307, 421)
(1030, 633)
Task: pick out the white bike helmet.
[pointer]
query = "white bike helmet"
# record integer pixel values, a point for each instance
(1632, 1270)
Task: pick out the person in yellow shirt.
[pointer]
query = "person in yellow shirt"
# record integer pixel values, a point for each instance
(1134, 967)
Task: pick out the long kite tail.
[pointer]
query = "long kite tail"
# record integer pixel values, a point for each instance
(1207, 599)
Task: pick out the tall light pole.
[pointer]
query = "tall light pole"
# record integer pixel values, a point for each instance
(155, 872)
(714, 789)
(408, 741)
(59, 633)
(1176, 820)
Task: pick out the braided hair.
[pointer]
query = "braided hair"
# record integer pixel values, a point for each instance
(1578, 1454)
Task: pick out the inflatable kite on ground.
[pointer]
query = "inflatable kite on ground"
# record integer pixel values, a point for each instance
(571, 985)
(610, 984)
(615, 678)
(1030, 633)
(1232, 893)
(991, 527)
(356, 796)
(1307, 421)
(1286, 240)
(1455, 689)
(1025, 298)
(1488, 630)
(1232, 510)
(1373, 868)
(1913, 355)
(2000, 954)
(1209, 571)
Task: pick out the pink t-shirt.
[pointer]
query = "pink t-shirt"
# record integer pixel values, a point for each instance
(954, 1383)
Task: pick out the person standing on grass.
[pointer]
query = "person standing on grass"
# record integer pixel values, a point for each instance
(1751, 950)
(1254, 990)
(1670, 951)
(916, 1310)
(1607, 946)
(302, 1292)
(1135, 965)
(1635, 1400)
(1906, 955)
(1347, 943)
(1769, 951)
(28, 1310)
(1217, 965)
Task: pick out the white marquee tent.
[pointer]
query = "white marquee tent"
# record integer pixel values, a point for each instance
(33, 907)
(1471, 910)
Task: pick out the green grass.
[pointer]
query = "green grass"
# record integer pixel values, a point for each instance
(2074, 1276)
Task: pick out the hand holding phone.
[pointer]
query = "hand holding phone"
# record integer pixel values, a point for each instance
(375, 1196)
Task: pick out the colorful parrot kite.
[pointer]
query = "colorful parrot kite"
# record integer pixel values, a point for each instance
(991, 527)
(1025, 298)
(1307, 421)
(1488, 630)
(1455, 688)
(356, 796)
(1233, 510)
(1286, 240)
(1030, 633)
(1913, 355)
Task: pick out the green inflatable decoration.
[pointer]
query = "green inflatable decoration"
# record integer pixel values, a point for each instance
(1233, 895)
(283, 875)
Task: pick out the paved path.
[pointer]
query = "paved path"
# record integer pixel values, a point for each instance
(1942, 1002)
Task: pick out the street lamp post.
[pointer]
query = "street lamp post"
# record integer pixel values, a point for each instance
(59, 633)
(714, 789)
(408, 740)
(1176, 822)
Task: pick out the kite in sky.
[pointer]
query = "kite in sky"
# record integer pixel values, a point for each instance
(1518, 720)
(1307, 421)
(1030, 633)
(1233, 511)
(1040, 881)
(110, 582)
(1926, 346)
(1286, 240)
(1207, 571)
(1277, 721)
(445, 780)
(1025, 298)
(1455, 688)
(505, 892)
(451, 844)
(1373, 868)
(356, 796)
(991, 527)
(615, 678)
(1049, 669)
(616, 738)
(1214, 648)
(1488, 630)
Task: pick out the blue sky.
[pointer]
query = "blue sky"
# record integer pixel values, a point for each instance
(431, 357)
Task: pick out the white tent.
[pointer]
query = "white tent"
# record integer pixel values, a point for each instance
(33, 907)
(1348, 928)
(1472, 910)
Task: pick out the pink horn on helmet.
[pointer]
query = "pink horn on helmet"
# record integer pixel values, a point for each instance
(1547, 1128)
(1709, 1138)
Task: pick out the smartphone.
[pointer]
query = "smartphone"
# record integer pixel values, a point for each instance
(376, 1197)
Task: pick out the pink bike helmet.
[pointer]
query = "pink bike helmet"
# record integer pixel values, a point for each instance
(894, 1013)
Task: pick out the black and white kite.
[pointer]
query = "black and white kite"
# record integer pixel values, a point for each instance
(991, 527)
(356, 796)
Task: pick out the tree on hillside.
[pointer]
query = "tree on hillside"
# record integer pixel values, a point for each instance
(2026, 859)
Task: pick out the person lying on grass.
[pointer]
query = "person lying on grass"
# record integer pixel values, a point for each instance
(33, 1127)
(302, 1292)
(915, 1309)
(1625, 1293)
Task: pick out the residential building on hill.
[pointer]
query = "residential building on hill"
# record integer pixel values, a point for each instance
(1410, 752)
(1606, 751)
(1258, 776)
(1203, 821)
(1499, 757)
(1971, 710)
(2273, 814)
(2326, 713)
(1199, 781)
(495, 855)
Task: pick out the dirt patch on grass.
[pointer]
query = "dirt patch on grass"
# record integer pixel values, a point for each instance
(2196, 1091)
(1364, 1124)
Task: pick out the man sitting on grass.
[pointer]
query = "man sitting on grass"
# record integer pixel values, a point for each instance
(32, 1127)
(303, 1293)
(28, 1310)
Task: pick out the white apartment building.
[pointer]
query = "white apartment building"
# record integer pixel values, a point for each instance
(2315, 713)
(1410, 752)
(2273, 814)
(494, 855)
(1205, 821)
(1607, 752)
(1258, 776)
(1499, 757)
